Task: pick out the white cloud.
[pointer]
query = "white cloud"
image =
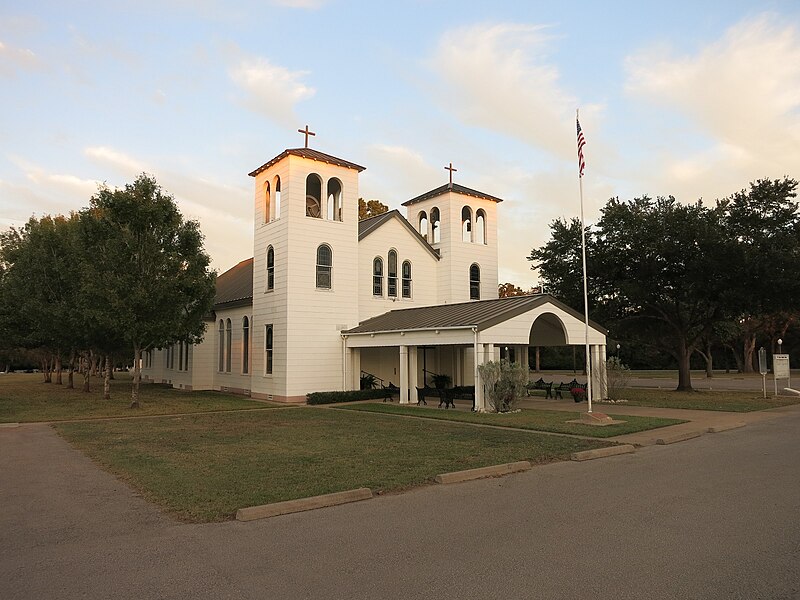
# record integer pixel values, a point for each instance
(268, 89)
(742, 92)
(17, 59)
(500, 77)
(122, 163)
(305, 4)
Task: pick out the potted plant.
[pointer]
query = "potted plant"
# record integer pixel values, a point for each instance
(578, 394)
(441, 382)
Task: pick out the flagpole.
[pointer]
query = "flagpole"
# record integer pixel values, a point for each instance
(585, 293)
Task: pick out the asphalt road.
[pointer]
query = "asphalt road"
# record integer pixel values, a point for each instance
(714, 517)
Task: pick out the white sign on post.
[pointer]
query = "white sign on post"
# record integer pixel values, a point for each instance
(780, 370)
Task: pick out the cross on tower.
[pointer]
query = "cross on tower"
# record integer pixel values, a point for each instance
(451, 169)
(307, 133)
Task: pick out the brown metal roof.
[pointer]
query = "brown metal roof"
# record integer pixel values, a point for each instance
(235, 286)
(367, 226)
(481, 314)
(313, 155)
(447, 187)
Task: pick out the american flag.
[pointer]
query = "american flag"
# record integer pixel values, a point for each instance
(581, 144)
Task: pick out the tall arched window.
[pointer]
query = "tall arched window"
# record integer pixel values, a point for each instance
(245, 345)
(270, 268)
(466, 224)
(480, 226)
(267, 203)
(268, 349)
(436, 226)
(221, 346)
(474, 282)
(324, 267)
(423, 224)
(391, 274)
(314, 196)
(276, 183)
(228, 345)
(406, 272)
(377, 276)
(334, 196)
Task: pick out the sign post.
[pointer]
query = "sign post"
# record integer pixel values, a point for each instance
(780, 370)
(762, 367)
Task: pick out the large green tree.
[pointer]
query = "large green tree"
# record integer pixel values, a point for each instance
(151, 279)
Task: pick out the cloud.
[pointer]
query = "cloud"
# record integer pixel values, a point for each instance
(500, 77)
(17, 59)
(121, 162)
(305, 4)
(741, 92)
(268, 89)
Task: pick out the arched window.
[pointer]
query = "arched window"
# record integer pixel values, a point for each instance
(277, 191)
(221, 346)
(334, 199)
(423, 224)
(474, 282)
(436, 226)
(245, 345)
(267, 203)
(466, 224)
(268, 349)
(377, 276)
(270, 268)
(391, 273)
(406, 272)
(314, 196)
(228, 344)
(324, 267)
(480, 226)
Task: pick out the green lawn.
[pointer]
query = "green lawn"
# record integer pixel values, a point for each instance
(24, 398)
(554, 421)
(731, 401)
(205, 467)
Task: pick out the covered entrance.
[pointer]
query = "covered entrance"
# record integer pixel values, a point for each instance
(406, 347)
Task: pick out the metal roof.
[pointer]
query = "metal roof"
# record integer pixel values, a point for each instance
(367, 226)
(479, 313)
(235, 286)
(454, 187)
(311, 154)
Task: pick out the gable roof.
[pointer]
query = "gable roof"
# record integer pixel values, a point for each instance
(447, 187)
(477, 313)
(367, 226)
(235, 286)
(311, 154)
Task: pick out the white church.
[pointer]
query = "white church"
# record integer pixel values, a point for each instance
(327, 298)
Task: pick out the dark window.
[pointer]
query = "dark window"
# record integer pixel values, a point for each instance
(268, 349)
(474, 282)
(270, 268)
(377, 276)
(314, 196)
(228, 344)
(245, 345)
(324, 267)
(392, 274)
(221, 346)
(406, 279)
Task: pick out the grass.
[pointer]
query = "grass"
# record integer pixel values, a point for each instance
(723, 400)
(554, 421)
(203, 467)
(24, 398)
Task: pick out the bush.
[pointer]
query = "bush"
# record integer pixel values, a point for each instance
(346, 396)
(618, 377)
(505, 383)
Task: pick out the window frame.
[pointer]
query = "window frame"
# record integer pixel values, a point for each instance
(322, 269)
(377, 277)
(391, 276)
(406, 280)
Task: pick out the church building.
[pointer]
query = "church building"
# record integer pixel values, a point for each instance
(327, 298)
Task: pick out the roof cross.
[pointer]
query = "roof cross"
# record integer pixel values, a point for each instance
(451, 169)
(307, 133)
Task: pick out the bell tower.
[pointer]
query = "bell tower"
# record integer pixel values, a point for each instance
(305, 281)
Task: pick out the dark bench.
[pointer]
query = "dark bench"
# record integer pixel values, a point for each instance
(568, 387)
(447, 395)
(390, 392)
(547, 386)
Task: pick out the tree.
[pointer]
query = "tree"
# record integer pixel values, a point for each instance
(505, 290)
(370, 208)
(659, 272)
(151, 281)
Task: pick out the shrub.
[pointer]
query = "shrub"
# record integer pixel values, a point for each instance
(618, 377)
(505, 383)
(346, 396)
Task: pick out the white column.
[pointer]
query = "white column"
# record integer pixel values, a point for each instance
(477, 354)
(413, 367)
(403, 374)
(355, 369)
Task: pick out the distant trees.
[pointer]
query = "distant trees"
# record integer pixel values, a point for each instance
(685, 278)
(120, 277)
(370, 208)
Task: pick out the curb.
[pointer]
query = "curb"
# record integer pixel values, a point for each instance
(252, 513)
(480, 473)
(602, 452)
(679, 437)
(8, 425)
(728, 427)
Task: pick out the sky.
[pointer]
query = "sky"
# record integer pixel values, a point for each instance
(687, 98)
